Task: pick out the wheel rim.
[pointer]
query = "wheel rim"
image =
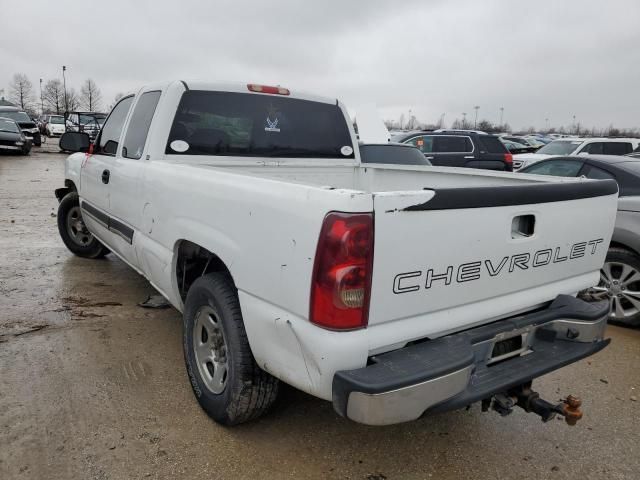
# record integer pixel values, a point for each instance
(210, 349)
(77, 229)
(620, 284)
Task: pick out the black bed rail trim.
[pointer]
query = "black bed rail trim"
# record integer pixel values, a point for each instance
(482, 197)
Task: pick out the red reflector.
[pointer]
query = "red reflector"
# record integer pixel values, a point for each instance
(341, 282)
(267, 89)
(508, 158)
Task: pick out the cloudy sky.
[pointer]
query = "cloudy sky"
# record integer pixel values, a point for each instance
(538, 60)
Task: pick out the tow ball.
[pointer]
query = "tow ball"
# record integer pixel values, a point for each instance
(530, 401)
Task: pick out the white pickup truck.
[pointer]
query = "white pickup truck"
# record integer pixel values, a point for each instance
(390, 290)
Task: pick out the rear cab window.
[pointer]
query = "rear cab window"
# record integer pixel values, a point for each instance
(257, 125)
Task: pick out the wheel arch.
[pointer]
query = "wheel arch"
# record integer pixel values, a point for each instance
(626, 240)
(191, 261)
(69, 187)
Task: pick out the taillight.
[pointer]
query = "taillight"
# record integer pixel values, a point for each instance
(341, 282)
(267, 89)
(508, 158)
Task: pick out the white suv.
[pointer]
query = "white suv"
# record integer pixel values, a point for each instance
(577, 146)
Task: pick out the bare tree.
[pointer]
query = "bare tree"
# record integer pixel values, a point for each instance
(73, 100)
(53, 96)
(21, 91)
(486, 126)
(90, 96)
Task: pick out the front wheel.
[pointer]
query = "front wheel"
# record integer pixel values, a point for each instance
(226, 380)
(74, 232)
(620, 285)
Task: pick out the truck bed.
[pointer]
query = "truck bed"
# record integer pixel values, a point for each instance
(385, 178)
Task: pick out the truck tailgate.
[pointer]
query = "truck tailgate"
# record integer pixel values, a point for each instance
(504, 248)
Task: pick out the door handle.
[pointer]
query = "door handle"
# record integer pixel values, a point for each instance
(105, 176)
(429, 158)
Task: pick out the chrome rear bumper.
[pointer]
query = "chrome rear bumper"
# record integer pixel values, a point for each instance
(457, 370)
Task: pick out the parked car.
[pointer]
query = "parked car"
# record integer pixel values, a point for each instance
(88, 122)
(459, 148)
(620, 275)
(12, 139)
(635, 153)
(392, 153)
(27, 126)
(54, 126)
(535, 141)
(515, 147)
(517, 139)
(578, 146)
(249, 208)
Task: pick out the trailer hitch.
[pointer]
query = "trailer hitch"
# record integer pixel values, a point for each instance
(531, 402)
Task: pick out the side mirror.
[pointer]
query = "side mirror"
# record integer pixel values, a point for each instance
(75, 142)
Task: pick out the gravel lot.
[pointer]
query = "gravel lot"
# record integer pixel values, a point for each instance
(93, 387)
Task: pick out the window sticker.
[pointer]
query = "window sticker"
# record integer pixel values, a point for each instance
(272, 120)
(346, 150)
(179, 146)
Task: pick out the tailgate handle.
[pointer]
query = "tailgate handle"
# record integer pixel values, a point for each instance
(523, 226)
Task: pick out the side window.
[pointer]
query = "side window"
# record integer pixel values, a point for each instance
(558, 168)
(110, 135)
(617, 148)
(424, 143)
(599, 173)
(593, 148)
(139, 125)
(452, 144)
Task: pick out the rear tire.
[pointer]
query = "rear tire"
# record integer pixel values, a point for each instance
(74, 233)
(226, 380)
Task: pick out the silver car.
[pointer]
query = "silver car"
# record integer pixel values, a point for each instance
(620, 275)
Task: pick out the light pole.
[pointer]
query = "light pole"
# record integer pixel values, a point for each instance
(64, 80)
(546, 121)
(41, 101)
(475, 122)
(501, 114)
(464, 120)
(442, 120)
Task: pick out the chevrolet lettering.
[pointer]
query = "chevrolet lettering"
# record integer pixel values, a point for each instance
(465, 272)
